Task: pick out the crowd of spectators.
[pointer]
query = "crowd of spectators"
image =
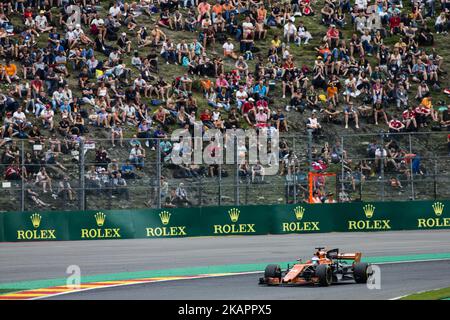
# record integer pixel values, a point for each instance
(74, 67)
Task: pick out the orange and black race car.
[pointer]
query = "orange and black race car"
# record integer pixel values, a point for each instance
(324, 269)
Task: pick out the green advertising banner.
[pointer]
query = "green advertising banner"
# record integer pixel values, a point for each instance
(360, 216)
(243, 220)
(302, 218)
(167, 223)
(429, 215)
(35, 226)
(2, 229)
(223, 221)
(94, 225)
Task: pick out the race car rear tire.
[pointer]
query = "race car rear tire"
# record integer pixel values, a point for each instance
(360, 272)
(273, 271)
(325, 275)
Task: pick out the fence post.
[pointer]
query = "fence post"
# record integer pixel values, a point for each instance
(82, 183)
(219, 200)
(199, 186)
(309, 149)
(158, 174)
(342, 171)
(382, 167)
(294, 180)
(22, 197)
(434, 178)
(236, 176)
(412, 173)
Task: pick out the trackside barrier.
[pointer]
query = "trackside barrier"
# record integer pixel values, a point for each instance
(219, 221)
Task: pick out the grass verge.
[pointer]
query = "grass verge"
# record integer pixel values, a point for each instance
(438, 294)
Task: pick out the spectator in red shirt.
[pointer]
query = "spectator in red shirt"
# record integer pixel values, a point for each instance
(247, 108)
(394, 23)
(409, 119)
(205, 117)
(421, 115)
(395, 125)
(36, 86)
(333, 36)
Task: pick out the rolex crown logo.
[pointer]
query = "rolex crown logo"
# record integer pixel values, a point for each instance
(369, 210)
(36, 220)
(438, 208)
(100, 218)
(299, 211)
(165, 217)
(234, 214)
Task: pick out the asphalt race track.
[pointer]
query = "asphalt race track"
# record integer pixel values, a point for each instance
(46, 260)
(396, 280)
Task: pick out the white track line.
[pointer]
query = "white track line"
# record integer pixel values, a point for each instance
(208, 276)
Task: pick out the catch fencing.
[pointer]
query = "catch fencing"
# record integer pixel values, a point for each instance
(415, 166)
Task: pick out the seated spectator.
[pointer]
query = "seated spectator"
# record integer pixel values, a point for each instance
(258, 173)
(395, 125)
(43, 180)
(65, 190)
(313, 123)
(181, 195)
(137, 156)
(351, 112)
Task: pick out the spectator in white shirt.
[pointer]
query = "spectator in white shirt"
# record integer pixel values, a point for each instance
(302, 34)
(42, 23)
(228, 49)
(290, 31)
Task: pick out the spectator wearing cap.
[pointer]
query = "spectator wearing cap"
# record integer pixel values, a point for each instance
(330, 198)
(248, 110)
(261, 118)
(228, 49)
(332, 36)
(182, 196)
(41, 21)
(124, 42)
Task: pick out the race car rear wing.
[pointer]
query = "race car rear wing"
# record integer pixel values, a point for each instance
(350, 256)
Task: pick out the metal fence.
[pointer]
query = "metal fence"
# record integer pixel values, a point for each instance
(82, 175)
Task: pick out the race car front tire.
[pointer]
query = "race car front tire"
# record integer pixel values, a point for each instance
(360, 272)
(325, 275)
(273, 271)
